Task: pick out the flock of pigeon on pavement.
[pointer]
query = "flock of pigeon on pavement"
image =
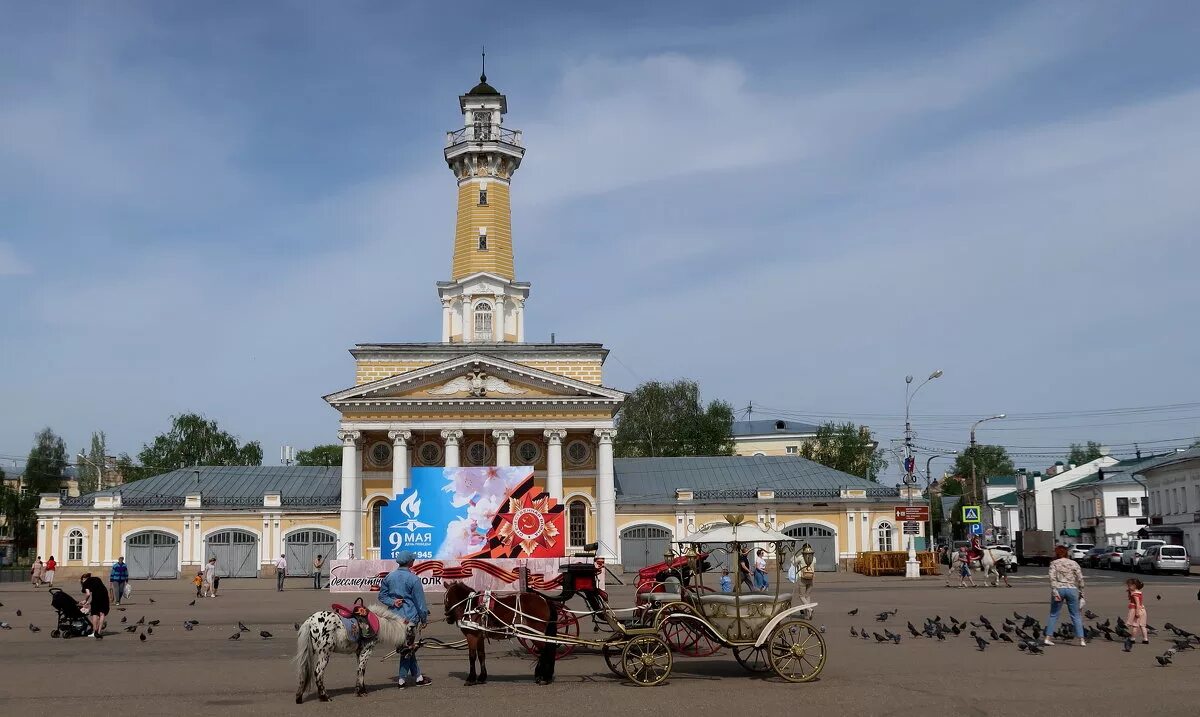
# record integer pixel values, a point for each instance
(1026, 632)
(143, 627)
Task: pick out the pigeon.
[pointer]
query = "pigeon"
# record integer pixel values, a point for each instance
(1034, 649)
(982, 643)
(1150, 629)
(1128, 647)
(193, 623)
(242, 628)
(985, 621)
(192, 603)
(865, 636)
(853, 612)
(1158, 597)
(1090, 615)
(821, 628)
(1021, 633)
(1029, 622)
(1008, 628)
(265, 635)
(151, 600)
(1198, 594)
(913, 631)
(18, 613)
(5, 626)
(1004, 637)
(155, 622)
(120, 609)
(896, 639)
(992, 634)
(1121, 624)
(142, 637)
(889, 634)
(1, 604)
(1108, 636)
(955, 630)
(882, 617)
(124, 619)
(297, 626)
(235, 636)
(187, 626)
(34, 628)
(149, 631)
(131, 628)
(1016, 614)
(879, 638)
(1162, 661)
(853, 632)
(141, 621)
(1022, 647)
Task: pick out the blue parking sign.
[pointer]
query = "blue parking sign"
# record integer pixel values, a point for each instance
(976, 529)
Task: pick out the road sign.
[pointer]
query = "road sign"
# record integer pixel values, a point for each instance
(910, 465)
(912, 528)
(976, 528)
(970, 514)
(912, 512)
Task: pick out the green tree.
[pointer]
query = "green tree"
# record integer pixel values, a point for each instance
(47, 463)
(328, 454)
(668, 419)
(91, 470)
(988, 461)
(847, 448)
(192, 441)
(20, 516)
(1081, 454)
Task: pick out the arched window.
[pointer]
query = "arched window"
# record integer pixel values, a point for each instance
(376, 507)
(483, 322)
(75, 545)
(885, 537)
(577, 523)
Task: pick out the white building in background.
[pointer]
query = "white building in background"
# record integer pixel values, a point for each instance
(1173, 482)
(1106, 507)
(1035, 493)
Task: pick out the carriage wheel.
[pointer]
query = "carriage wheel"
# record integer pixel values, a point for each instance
(687, 639)
(646, 660)
(754, 659)
(796, 651)
(568, 625)
(612, 658)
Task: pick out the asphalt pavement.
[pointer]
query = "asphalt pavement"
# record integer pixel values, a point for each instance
(176, 670)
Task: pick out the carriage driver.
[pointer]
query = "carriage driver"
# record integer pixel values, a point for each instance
(403, 594)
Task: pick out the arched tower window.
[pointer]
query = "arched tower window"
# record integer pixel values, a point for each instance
(483, 322)
(577, 523)
(885, 537)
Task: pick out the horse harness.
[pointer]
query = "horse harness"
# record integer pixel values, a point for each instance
(479, 613)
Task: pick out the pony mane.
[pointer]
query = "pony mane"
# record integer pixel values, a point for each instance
(393, 629)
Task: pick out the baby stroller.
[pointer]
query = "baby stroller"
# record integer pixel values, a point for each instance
(71, 620)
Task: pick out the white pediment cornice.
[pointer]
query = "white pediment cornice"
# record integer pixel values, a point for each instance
(560, 388)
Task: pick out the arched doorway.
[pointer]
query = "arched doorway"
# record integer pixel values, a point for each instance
(823, 541)
(303, 546)
(236, 552)
(643, 545)
(152, 555)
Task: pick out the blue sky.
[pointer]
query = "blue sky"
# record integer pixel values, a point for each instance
(203, 206)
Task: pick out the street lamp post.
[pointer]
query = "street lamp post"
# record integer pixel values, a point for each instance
(99, 471)
(929, 481)
(912, 568)
(980, 498)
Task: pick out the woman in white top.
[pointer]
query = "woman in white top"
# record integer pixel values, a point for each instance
(760, 570)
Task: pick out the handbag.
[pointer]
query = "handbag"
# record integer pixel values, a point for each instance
(127, 591)
(792, 572)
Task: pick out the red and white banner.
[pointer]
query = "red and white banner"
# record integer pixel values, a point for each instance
(351, 576)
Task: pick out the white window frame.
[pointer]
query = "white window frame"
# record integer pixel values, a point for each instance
(583, 506)
(75, 545)
(482, 315)
(884, 537)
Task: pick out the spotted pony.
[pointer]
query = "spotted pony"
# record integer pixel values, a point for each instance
(324, 633)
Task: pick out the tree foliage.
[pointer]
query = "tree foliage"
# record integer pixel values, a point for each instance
(20, 516)
(91, 470)
(46, 466)
(1081, 454)
(193, 440)
(988, 461)
(668, 419)
(847, 448)
(328, 454)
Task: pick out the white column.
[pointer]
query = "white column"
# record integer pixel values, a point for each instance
(452, 437)
(94, 547)
(468, 318)
(503, 446)
(498, 319)
(41, 539)
(554, 439)
(400, 441)
(851, 533)
(519, 319)
(351, 489)
(113, 551)
(606, 494)
(447, 322)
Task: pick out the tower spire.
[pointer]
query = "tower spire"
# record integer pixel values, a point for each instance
(483, 63)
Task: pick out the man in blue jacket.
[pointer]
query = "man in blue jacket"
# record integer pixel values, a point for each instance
(118, 576)
(403, 594)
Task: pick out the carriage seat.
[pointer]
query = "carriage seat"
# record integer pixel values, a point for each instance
(746, 599)
(748, 613)
(671, 592)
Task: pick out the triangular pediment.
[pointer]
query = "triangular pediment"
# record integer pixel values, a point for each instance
(477, 378)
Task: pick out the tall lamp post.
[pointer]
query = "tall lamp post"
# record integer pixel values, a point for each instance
(929, 482)
(980, 498)
(912, 568)
(99, 471)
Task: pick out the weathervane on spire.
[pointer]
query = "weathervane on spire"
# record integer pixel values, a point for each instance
(483, 63)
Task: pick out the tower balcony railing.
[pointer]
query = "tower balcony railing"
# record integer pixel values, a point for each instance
(484, 133)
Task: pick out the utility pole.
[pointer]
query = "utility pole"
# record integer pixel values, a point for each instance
(912, 568)
(980, 497)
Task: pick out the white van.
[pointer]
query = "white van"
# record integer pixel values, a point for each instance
(1135, 550)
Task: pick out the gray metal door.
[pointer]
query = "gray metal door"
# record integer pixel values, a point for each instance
(236, 552)
(823, 541)
(152, 556)
(303, 546)
(643, 545)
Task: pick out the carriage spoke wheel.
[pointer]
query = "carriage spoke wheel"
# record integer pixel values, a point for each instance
(796, 651)
(612, 658)
(687, 639)
(646, 660)
(568, 625)
(754, 659)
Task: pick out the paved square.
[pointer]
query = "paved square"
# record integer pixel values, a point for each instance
(175, 671)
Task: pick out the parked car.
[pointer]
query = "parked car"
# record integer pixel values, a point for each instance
(1091, 559)
(1077, 550)
(1112, 559)
(1136, 549)
(1164, 558)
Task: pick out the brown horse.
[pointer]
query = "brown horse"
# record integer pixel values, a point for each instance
(501, 617)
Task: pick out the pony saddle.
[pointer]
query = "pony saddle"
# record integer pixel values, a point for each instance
(361, 623)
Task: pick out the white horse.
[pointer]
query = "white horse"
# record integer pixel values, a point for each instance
(324, 633)
(988, 562)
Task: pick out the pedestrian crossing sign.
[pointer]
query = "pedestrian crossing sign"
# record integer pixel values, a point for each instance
(970, 514)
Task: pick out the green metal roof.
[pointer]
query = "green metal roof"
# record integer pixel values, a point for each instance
(228, 486)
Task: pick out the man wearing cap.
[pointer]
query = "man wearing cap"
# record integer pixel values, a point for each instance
(403, 594)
